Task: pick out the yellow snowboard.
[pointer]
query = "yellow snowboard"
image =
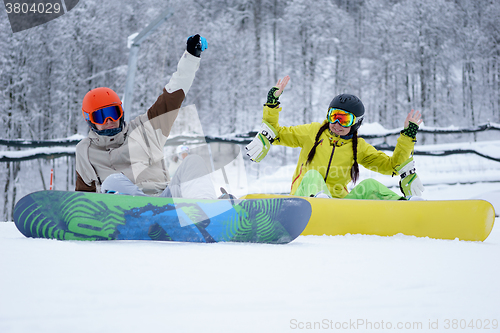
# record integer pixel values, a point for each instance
(470, 220)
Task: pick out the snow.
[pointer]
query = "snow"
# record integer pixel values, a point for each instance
(373, 129)
(131, 286)
(316, 283)
(131, 39)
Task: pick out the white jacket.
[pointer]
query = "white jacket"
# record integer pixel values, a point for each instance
(137, 151)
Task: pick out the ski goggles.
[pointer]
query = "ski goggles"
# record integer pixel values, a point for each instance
(99, 117)
(344, 118)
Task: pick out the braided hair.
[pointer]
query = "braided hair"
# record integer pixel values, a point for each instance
(312, 152)
(354, 167)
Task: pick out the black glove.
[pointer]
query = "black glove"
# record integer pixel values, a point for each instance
(411, 130)
(196, 44)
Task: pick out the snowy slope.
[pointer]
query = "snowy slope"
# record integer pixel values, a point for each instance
(353, 281)
(316, 283)
(52, 286)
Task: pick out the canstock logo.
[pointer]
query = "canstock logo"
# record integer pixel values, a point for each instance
(26, 14)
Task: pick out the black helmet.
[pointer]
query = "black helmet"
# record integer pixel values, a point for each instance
(352, 104)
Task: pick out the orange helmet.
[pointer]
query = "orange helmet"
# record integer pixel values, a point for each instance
(100, 98)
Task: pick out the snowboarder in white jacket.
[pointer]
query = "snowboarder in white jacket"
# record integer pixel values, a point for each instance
(127, 158)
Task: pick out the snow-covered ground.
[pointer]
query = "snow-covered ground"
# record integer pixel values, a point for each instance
(316, 283)
(345, 283)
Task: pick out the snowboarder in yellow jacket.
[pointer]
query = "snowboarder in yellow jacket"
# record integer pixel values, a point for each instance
(331, 151)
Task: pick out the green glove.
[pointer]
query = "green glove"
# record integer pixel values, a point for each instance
(409, 184)
(260, 145)
(272, 99)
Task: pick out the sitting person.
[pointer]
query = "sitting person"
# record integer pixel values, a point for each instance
(331, 151)
(127, 158)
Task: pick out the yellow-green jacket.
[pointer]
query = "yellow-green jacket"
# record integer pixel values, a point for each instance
(334, 155)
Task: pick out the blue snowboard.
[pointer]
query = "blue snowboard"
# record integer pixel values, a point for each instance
(92, 216)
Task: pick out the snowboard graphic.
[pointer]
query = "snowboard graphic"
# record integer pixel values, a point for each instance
(92, 216)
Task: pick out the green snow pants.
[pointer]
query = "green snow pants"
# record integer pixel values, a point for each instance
(368, 189)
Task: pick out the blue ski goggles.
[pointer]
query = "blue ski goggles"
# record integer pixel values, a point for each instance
(99, 117)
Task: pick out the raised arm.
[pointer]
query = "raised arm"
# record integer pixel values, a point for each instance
(179, 84)
(260, 145)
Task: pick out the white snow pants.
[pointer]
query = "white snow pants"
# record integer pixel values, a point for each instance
(191, 180)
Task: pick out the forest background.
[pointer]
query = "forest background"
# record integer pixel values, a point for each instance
(438, 56)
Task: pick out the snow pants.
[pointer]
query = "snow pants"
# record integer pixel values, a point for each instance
(368, 189)
(191, 180)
